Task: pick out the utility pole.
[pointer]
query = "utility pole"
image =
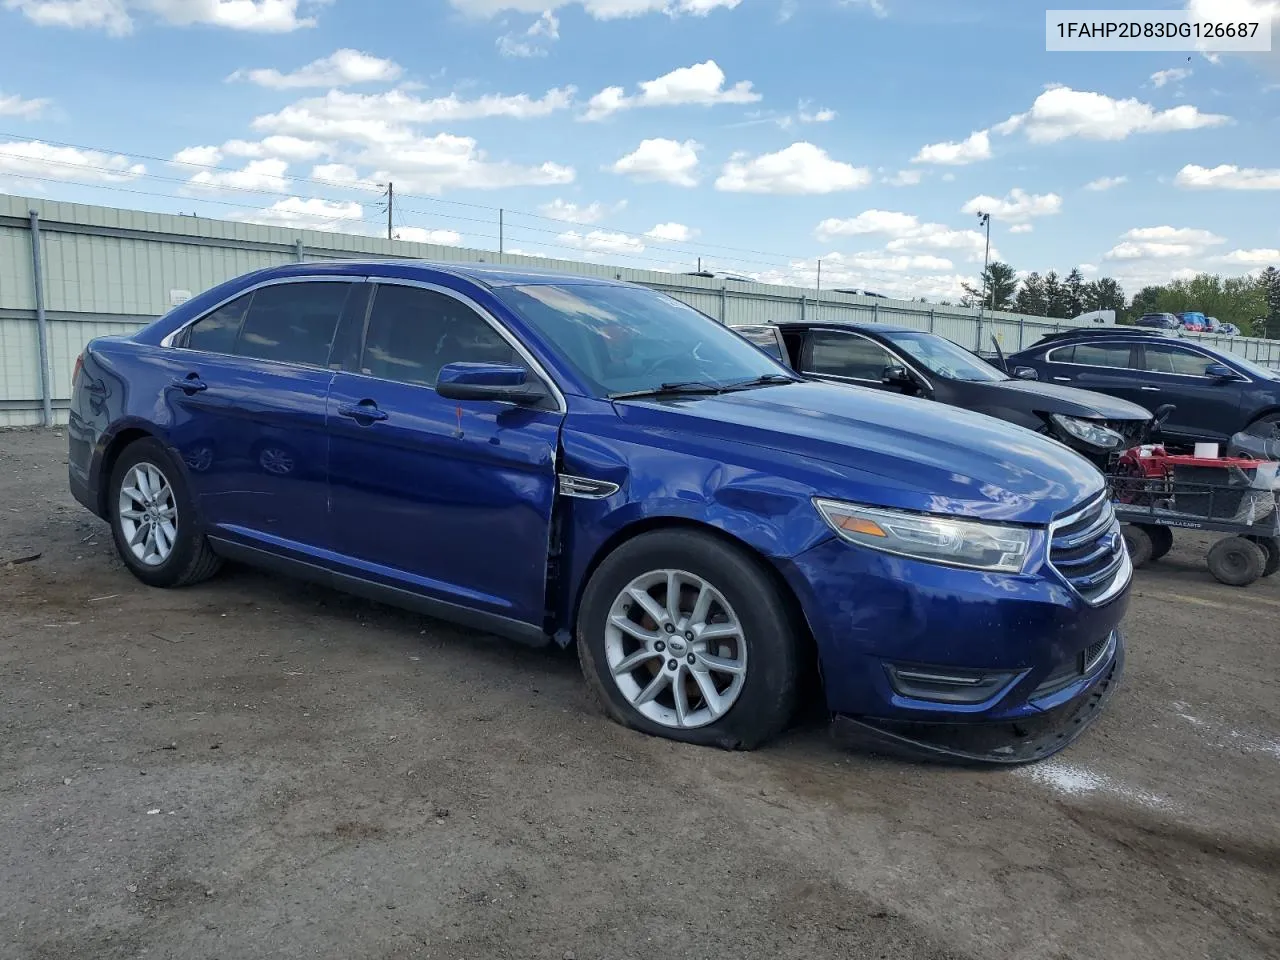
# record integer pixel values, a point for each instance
(391, 202)
(817, 297)
(501, 230)
(984, 219)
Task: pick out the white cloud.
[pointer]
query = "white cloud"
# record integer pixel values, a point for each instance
(587, 214)
(284, 147)
(344, 175)
(1228, 177)
(905, 178)
(1021, 228)
(1061, 112)
(601, 241)
(1018, 207)
(876, 7)
(701, 84)
(114, 16)
(13, 105)
(447, 238)
(340, 68)
(379, 118)
(1105, 183)
(308, 214)
(801, 168)
(534, 41)
(432, 164)
(671, 233)
(34, 158)
(809, 115)
(1252, 258)
(1162, 243)
(977, 146)
(599, 9)
(906, 233)
(663, 161)
(109, 15)
(198, 156)
(266, 175)
(1173, 75)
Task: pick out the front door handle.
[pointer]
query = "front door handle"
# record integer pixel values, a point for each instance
(1063, 379)
(1152, 389)
(190, 384)
(365, 410)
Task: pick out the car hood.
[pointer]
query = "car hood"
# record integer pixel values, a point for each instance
(1072, 401)
(861, 444)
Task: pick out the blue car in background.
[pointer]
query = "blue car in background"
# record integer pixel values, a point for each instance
(1194, 321)
(578, 461)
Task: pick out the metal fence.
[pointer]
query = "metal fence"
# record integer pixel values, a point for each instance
(72, 272)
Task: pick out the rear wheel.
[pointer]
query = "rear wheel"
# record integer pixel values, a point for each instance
(1139, 543)
(1236, 561)
(684, 636)
(153, 520)
(1161, 539)
(1271, 547)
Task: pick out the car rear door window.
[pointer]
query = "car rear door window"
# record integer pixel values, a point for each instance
(414, 332)
(218, 331)
(293, 322)
(833, 354)
(1166, 358)
(1094, 355)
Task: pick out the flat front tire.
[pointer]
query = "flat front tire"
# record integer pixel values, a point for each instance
(682, 635)
(153, 519)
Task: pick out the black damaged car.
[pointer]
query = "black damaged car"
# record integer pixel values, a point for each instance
(919, 363)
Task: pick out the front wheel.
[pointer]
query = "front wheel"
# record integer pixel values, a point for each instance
(153, 519)
(684, 636)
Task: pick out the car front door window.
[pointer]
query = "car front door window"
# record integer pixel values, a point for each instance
(848, 357)
(1161, 358)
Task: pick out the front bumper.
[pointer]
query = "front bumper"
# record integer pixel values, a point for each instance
(872, 614)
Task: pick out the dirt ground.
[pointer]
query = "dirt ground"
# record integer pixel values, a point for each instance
(260, 768)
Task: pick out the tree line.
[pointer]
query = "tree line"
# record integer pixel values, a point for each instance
(1252, 303)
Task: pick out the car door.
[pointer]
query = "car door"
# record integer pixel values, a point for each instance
(246, 397)
(1105, 366)
(847, 357)
(450, 500)
(1206, 408)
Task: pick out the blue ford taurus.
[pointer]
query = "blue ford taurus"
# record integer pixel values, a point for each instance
(574, 460)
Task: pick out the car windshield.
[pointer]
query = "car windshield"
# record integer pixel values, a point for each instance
(628, 339)
(939, 355)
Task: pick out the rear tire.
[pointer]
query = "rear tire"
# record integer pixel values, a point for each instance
(1271, 547)
(655, 673)
(1161, 540)
(1139, 543)
(1237, 562)
(153, 519)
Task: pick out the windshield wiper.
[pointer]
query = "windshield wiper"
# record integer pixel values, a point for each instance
(761, 381)
(683, 388)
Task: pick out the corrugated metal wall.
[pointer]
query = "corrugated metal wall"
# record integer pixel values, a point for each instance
(111, 271)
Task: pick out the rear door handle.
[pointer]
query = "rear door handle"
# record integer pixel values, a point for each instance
(1152, 389)
(364, 410)
(190, 384)
(1063, 379)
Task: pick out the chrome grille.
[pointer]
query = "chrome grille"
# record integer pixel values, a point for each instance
(1087, 550)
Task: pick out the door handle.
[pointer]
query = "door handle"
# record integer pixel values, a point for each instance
(190, 384)
(1152, 389)
(364, 410)
(1063, 379)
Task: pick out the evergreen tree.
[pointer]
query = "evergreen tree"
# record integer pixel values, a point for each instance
(1031, 299)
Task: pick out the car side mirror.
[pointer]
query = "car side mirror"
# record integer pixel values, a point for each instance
(1026, 373)
(489, 381)
(896, 375)
(1219, 371)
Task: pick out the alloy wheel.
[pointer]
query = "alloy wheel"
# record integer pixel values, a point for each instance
(148, 514)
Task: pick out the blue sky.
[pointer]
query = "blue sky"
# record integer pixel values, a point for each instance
(759, 135)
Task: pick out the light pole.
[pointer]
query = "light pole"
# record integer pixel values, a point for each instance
(984, 220)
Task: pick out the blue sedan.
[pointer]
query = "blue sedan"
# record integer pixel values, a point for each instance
(578, 461)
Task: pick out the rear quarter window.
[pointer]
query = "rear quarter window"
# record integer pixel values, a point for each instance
(217, 332)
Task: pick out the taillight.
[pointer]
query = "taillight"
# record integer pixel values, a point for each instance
(76, 372)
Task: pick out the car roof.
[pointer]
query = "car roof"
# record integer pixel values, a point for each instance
(866, 327)
(486, 274)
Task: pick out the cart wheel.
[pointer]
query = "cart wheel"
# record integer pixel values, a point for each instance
(1271, 547)
(1236, 561)
(1138, 540)
(1161, 539)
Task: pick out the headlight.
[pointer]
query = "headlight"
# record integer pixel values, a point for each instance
(1088, 432)
(947, 540)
